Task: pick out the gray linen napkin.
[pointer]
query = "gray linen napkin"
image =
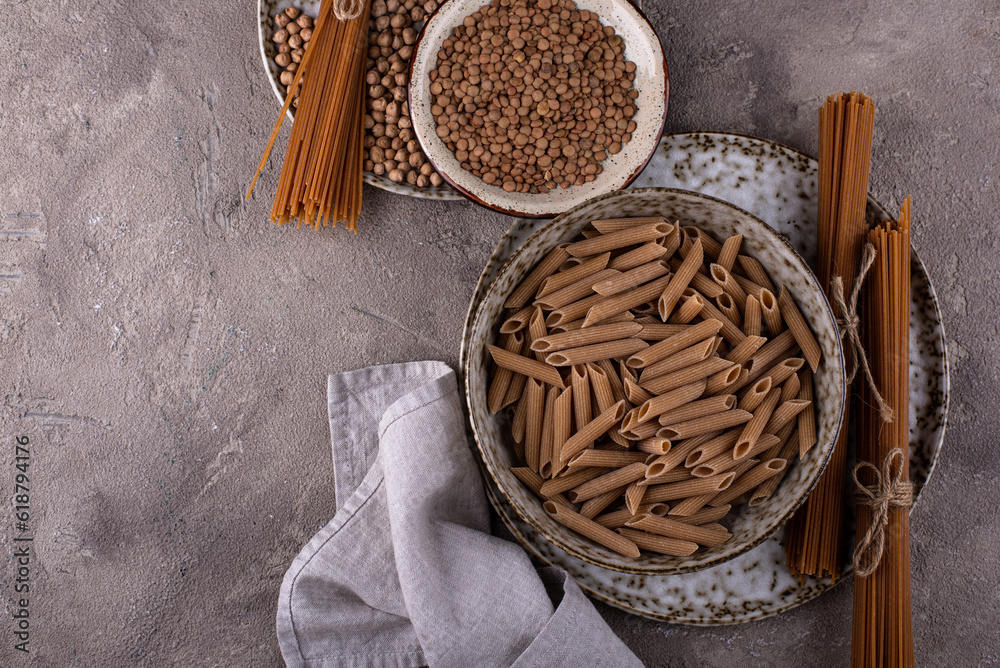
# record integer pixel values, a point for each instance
(406, 574)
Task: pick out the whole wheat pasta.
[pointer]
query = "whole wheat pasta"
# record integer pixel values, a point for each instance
(702, 535)
(655, 331)
(529, 286)
(640, 256)
(690, 506)
(608, 225)
(654, 446)
(599, 351)
(699, 409)
(685, 376)
(635, 393)
(749, 481)
(772, 351)
(640, 432)
(727, 307)
(633, 496)
(726, 281)
(519, 421)
(551, 343)
(711, 245)
(730, 250)
(626, 300)
(672, 241)
(527, 366)
(670, 400)
(606, 458)
(676, 456)
(791, 388)
(767, 488)
(575, 291)
(607, 482)
(708, 450)
(664, 477)
(591, 431)
(625, 373)
(574, 325)
(618, 518)
(647, 308)
(800, 330)
(548, 422)
(753, 429)
(567, 480)
(784, 370)
(745, 349)
(620, 282)
(686, 488)
(562, 279)
(604, 396)
(687, 269)
(730, 332)
(784, 414)
(749, 287)
(591, 530)
(755, 394)
(537, 330)
(755, 272)
(535, 412)
(771, 313)
(562, 426)
(501, 379)
(517, 321)
(595, 506)
(727, 461)
(690, 307)
(807, 419)
(703, 425)
(676, 343)
(699, 352)
(752, 317)
(580, 381)
(701, 283)
(721, 381)
(702, 515)
(575, 311)
(569, 263)
(534, 482)
(616, 384)
(514, 389)
(620, 239)
(784, 435)
(659, 544)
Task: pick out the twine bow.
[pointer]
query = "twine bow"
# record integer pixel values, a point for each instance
(888, 490)
(345, 10)
(850, 325)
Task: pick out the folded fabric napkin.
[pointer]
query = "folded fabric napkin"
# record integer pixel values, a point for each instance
(406, 573)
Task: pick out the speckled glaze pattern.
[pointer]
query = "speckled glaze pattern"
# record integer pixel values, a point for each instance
(750, 526)
(652, 81)
(777, 184)
(266, 10)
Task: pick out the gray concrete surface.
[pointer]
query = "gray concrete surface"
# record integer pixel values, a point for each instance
(165, 348)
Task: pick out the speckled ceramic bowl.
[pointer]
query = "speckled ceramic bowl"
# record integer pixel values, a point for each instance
(641, 47)
(750, 526)
(266, 10)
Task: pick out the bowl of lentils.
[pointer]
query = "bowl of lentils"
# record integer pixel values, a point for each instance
(394, 160)
(531, 107)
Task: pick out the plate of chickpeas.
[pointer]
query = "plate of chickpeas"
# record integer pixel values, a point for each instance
(394, 160)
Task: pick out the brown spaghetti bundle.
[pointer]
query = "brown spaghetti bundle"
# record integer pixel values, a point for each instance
(815, 534)
(321, 175)
(883, 628)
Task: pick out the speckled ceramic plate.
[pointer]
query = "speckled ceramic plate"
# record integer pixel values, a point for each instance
(652, 82)
(778, 185)
(266, 10)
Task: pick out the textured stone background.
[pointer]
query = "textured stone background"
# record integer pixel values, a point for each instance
(166, 348)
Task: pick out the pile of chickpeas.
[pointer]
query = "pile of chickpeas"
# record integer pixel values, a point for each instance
(294, 31)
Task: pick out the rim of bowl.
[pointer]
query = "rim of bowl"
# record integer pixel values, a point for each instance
(525, 214)
(789, 511)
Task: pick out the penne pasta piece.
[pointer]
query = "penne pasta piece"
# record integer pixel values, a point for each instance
(749, 480)
(730, 251)
(675, 457)
(755, 395)
(607, 482)
(569, 264)
(703, 425)
(727, 307)
(533, 426)
(670, 400)
(607, 459)
(687, 269)
(585, 436)
(590, 234)
(608, 225)
(636, 394)
(562, 279)
(518, 321)
(640, 432)
(807, 418)
(675, 344)
(755, 272)
(595, 506)
(711, 245)
(702, 535)
(575, 311)
(616, 384)
(562, 426)
(698, 409)
(767, 488)
(784, 370)
(784, 414)
(527, 366)
(584, 337)
(618, 518)
(649, 308)
(574, 325)
(574, 292)
(518, 422)
(568, 480)
(689, 309)
(800, 330)
(515, 389)
(726, 281)
(640, 256)
(610, 306)
(753, 429)
(605, 350)
(529, 286)
(654, 446)
(699, 516)
(710, 449)
(537, 330)
(729, 331)
(656, 331)
(745, 349)
(749, 287)
(534, 482)
(790, 388)
(721, 382)
(619, 239)
(752, 317)
(501, 379)
(633, 496)
(686, 488)
(771, 312)
(698, 352)
(672, 241)
(685, 376)
(700, 283)
(548, 422)
(591, 530)
(580, 381)
(726, 461)
(770, 352)
(660, 544)
(629, 280)
(690, 506)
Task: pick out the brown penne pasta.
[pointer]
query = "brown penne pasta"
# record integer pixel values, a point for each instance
(685, 376)
(755, 272)
(703, 425)
(580, 381)
(640, 256)
(807, 418)
(702, 535)
(720, 382)
(610, 306)
(562, 279)
(534, 482)
(574, 325)
(752, 317)
(548, 422)
(595, 506)
(686, 488)
(753, 429)
(727, 307)
(501, 379)
(590, 432)
(800, 330)
(771, 312)
(749, 480)
(527, 366)
(687, 269)
(619, 239)
(567, 480)
(591, 530)
(745, 349)
(548, 266)
(699, 515)
(659, 544)
(675, 344)
(533, 427)
(631, 279)
(599, 351)
(699, 409)
(606, 458)
(729, 331)
(584, 337)
(698, 352)
(608, 225)
(574, 292)
(607, 482)
(654, 446)
(755, 395)
(670, 400)
(730, 251)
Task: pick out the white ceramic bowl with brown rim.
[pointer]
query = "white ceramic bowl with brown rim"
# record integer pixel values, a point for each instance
(641, 47)
(749, 526)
